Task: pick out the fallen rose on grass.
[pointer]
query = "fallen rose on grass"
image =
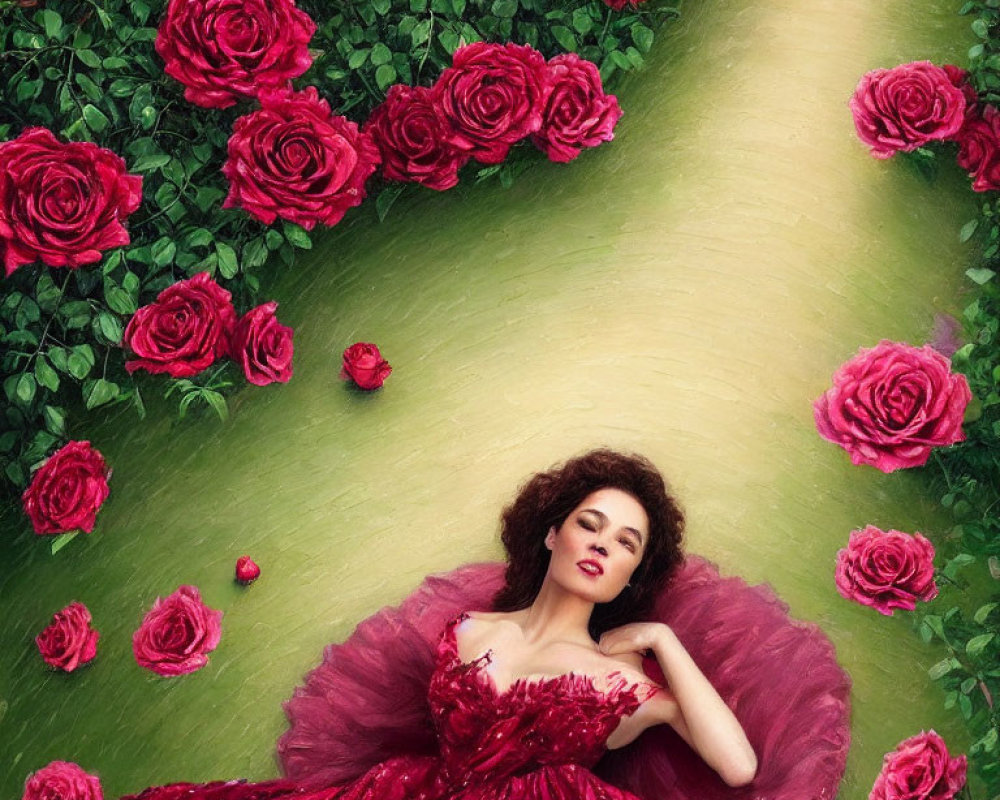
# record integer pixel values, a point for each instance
(886, 569)
(247, 570)
(177, 633)
(68, 641)
(892, 404)
(920, 768)
(67, 491)
(62, 780)
(363, 364)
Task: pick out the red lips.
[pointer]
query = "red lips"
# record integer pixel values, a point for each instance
(590, 567)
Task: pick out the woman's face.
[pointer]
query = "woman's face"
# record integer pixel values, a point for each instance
(599, 545)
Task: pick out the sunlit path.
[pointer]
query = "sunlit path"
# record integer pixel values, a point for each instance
(685, 291)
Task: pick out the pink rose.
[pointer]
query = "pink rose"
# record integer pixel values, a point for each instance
(618, 5)
(68, 490)
(183, 331)
(903, 108)
(891, 404)
(960, 79)
(411, 138)
(246, 570)
(491, 97)
(296, 160)
(176, 634)
(886, 569)
(68, 641)
(222, 50)
(62, 780)
(63, 204)
(363, 363)
(979, 149)
(920, 768)
(578, 113)
(263, 346)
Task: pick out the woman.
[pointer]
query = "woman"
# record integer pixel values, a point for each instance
(520, 701)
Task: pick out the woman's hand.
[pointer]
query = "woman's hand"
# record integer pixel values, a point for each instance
(636, 637)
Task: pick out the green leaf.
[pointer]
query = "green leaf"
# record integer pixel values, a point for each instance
(505, 9)
(385, 200)
(58, 356)
(118, 299)
(564, 36)
(8, 440)
(274, 240)
(55, 419)
(421, 33)
(200, 237)
(983, 612)
(25, 388)
(968, 229)
(98, 392)
(227, 260)
(941, 669)
(385, 75)
(110, 327)
(217, 402)
(582, 21)
(114, 62)
(91, 89)
(977, 644)
(642, 36)
(620, 59)
(53, 24)
(45, 375)
(60, 541)
(28, 90)
(297, 236)
(164, 250)
(46, 292)
(382, 6)
(254, 252)
(980, 28)
(90, 58)
(150, 162)
(358, 57)
(95, 118)
(380, 54)
(80, 361)
(980, 275)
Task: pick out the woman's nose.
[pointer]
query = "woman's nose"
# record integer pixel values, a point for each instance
(600, 549)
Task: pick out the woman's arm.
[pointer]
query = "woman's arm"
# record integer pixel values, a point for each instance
(692, 707)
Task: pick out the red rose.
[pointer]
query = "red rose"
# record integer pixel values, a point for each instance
(68, 641)
(222, 50)
(62, 780)
(183, 331)
(176, 634)
(886, 569)
(263, 346)
(363, 364)
(618, 5)
(920, 768)
(979, 149)
(960, 79)
(67, 491)
(294, 159)
(411, 138)
(890, 405)
(578, 113)
(903, 108)
(491, 97)
(62, 203)
(246, 570)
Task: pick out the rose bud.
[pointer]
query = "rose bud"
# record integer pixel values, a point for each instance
(68, 641)
(363, 363)
(62, 780)
(246, 570)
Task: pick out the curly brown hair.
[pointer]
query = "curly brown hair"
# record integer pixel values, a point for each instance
(549, 497)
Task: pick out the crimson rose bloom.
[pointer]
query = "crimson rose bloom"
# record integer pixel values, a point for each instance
(410, 136)
(960, 79)
(246, 570)
(263, 346)
(363, 363)
(294, 159)
(618, 5)
(67, 491)
(176, 634)
(920, 768)
(224, 49)
(903, 108)
(492, 96)
(184, 330)
(979, 149)
(578, 113)
(62, 203)
(62, 780)
(891, 404)
(886, 569)
(68, 641)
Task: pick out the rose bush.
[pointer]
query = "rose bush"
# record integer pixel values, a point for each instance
(262, 346)
(177, 633)
(920, 768)
(491, 97)
(222, 50)
(363, 363)
(68, 641)
(62, 203)
(886, 569)
(183, 331)
(247, 570)
(296, 160)
(68, 490)
(62, 780)
(903, 108)
(410, 137)
(577, 113)
(892, 404)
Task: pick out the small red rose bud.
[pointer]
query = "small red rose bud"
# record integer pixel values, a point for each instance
(246, 570)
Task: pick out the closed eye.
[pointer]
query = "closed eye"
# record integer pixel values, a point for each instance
(628, 543)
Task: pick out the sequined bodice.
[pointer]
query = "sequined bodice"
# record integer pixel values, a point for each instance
(561, 720)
